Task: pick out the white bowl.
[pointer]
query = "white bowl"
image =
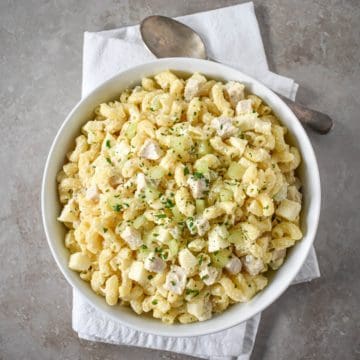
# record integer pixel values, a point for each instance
(237, 313)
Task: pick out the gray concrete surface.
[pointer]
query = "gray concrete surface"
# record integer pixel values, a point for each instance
(315, 42)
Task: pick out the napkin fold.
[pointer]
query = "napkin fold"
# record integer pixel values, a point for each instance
(232, 37)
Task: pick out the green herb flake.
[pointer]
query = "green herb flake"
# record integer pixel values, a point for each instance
(198, 175)
(200, 260)
(173, 283)
(193, 292)
(161, 216)
(108, 145)
(117, 207)
(109, 161)
(186, 171)
(154, 302)
(105, 230)
(150, 277)
(169, 204)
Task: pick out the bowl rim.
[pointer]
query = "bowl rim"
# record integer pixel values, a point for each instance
(315, 203)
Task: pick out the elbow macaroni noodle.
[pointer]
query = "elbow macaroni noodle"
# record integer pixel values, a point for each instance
(179, 197)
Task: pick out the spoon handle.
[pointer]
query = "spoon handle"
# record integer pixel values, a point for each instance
(316, 120)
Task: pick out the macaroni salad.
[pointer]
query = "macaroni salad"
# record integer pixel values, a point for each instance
(179, 197)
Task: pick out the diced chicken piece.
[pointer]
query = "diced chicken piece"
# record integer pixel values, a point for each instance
(132, 237)
(198, 187)
(140, 181)
(176, 280)
(193, 86)
(154, 263)
(201, 308)
(138, 272)
(188, 261)
(150, 150)
(235, 91)
(234, 265)
(218, 238)
(198, 226)
(244, 107)
(202, 225)
(122, 149)
(92, 193)
(79, 262)
(278, 254)
(209, 275)
(224, 126)
(252, 265)
(277, 258)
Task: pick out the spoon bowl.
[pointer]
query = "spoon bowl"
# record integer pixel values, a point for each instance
(166, 37)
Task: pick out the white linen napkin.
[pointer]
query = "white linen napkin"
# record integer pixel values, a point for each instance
(232, 37)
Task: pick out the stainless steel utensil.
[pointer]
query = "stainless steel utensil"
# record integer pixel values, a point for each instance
(166, 37)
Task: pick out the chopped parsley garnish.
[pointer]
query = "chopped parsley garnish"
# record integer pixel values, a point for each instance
(143, 247)
(150, 277)
(193, 292)
(198, 175)
(105, 230)
(200, 260)
(169, 204)
(204, 277)
(108, 145)
(117, 207)
(161, 216)
(109, 161)
(154, 302)
(186, 171)
(173, 283)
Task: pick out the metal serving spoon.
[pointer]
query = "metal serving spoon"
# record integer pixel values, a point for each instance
(166, 37)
